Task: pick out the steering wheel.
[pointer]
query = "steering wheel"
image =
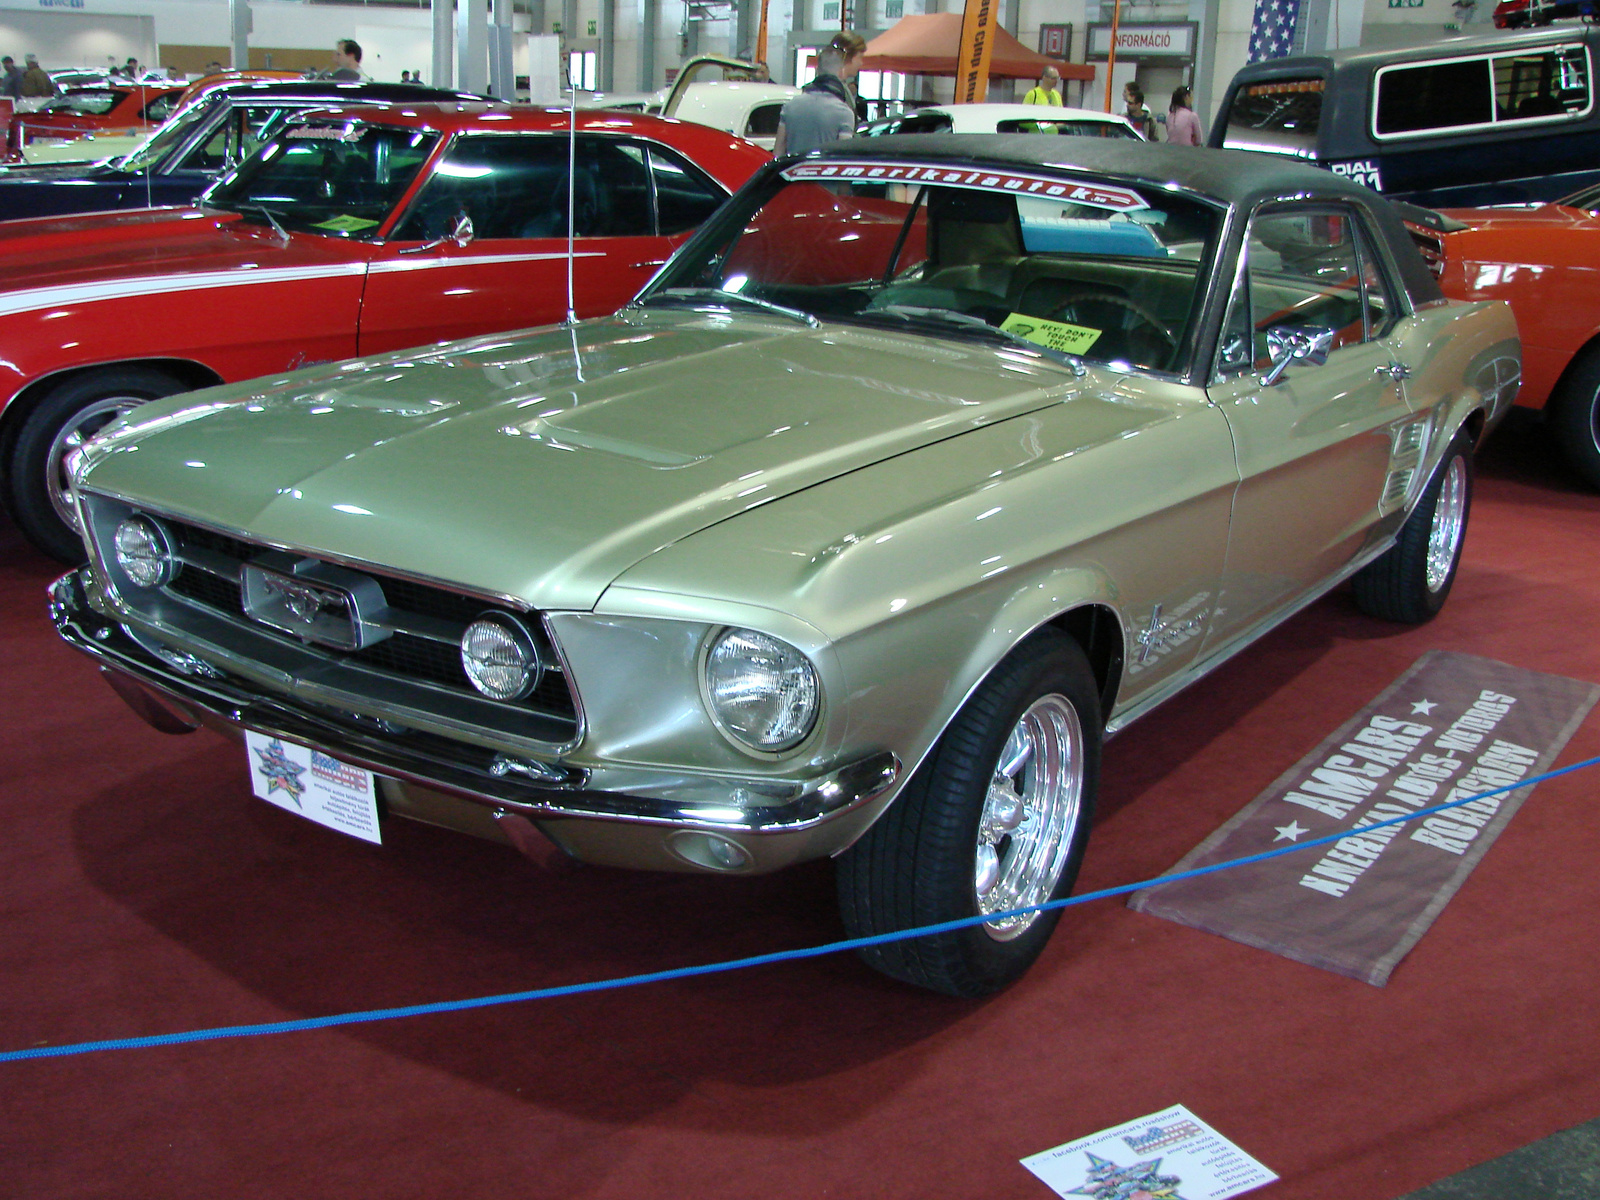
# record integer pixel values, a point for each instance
(1080, 310)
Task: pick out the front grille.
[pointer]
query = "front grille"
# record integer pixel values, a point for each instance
(425, 623)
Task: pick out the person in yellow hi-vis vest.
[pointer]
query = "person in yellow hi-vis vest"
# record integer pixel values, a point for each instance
(1048, 89)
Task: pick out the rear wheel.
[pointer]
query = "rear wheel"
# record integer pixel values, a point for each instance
(64, 418)
(1411, 580)
(995, 820)
(1575, 416)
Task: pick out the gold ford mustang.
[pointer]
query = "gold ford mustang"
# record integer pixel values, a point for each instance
(925, 465)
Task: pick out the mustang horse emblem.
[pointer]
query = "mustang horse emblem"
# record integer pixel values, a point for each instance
(303, 601)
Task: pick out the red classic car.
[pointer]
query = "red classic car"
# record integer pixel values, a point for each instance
(1544, 260)
(105, 108)
(349, 234)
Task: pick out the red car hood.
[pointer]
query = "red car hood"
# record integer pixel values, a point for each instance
(61, 260)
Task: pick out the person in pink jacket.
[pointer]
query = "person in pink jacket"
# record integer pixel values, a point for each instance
(1183, 127)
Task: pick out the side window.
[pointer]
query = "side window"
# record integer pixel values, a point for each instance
(1434, 96)
(763, 121)
(1235, 350)
(238, 136)
(1549, 84)
(514, 186)
(160, 109)
(509, 186)
(1380, 310)
(1305, 269)
(684, 198)
(618, 194)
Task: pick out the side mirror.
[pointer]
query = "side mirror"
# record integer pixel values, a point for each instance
(460, 233)
(1291, 343)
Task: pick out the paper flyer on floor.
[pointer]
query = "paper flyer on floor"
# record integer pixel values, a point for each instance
(1169, 1155)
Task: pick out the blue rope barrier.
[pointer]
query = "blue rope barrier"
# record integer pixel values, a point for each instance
(736, 964)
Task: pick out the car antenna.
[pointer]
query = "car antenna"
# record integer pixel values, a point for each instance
(572, 192)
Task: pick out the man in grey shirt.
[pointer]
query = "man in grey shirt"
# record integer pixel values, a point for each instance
(825, 109)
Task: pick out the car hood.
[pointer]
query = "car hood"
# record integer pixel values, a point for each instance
(146, 251)
(541, 466)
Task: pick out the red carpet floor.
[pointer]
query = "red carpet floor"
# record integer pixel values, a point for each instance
(143, 890)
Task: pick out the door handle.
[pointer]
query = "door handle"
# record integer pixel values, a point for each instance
(652, 262)
(1394, 370)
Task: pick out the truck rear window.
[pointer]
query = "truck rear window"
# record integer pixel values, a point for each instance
(1280, 117)
(1492, 89)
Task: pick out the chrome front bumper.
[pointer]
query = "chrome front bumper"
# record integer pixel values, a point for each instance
(624, 816)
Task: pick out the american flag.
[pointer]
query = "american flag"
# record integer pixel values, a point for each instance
(1272, 28)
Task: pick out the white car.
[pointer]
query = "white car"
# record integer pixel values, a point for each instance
(1002, 118)
(749, 110)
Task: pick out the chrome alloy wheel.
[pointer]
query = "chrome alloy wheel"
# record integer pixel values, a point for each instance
(1033, 807)
(1449, 520)
(85, 423)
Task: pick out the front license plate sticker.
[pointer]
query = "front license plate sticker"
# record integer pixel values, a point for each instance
(315, 786)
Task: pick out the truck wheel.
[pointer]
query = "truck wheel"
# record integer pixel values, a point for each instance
(996, 819)
(1575, 416)
(64, 418)
(1410, 581)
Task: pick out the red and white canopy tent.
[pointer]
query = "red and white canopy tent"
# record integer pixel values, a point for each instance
(929, 45)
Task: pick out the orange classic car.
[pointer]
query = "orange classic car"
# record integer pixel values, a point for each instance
(1545, 260)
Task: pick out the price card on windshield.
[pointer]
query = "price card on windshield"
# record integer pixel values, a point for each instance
(315, 786)
(345, 223)
(1057, 335)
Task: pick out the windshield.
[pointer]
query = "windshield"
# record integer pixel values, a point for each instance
(1081, 267)
(341, 180)
(149, 153)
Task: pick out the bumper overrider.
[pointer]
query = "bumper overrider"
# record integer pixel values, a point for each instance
(619, 815)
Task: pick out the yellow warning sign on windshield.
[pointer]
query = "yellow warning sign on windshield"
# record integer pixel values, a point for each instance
(344, 223)
(1056, 335)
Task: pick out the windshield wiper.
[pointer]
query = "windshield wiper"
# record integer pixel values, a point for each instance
(916, 313)
(721, 297)
(265, 212)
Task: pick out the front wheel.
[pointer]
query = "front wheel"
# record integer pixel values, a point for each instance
(1410, 581)
(64, 418)
(996, 819)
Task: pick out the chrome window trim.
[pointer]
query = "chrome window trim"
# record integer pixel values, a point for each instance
(1489, 58)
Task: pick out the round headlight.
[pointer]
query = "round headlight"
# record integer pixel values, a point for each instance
(762, 691)
(144, 552)
(500, 657)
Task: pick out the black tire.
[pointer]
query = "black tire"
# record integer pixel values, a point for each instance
(920, 863)
(64, 417)
(1411, 580)
(1575, 416)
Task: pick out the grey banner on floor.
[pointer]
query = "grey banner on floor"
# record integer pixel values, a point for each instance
(1452, 726)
